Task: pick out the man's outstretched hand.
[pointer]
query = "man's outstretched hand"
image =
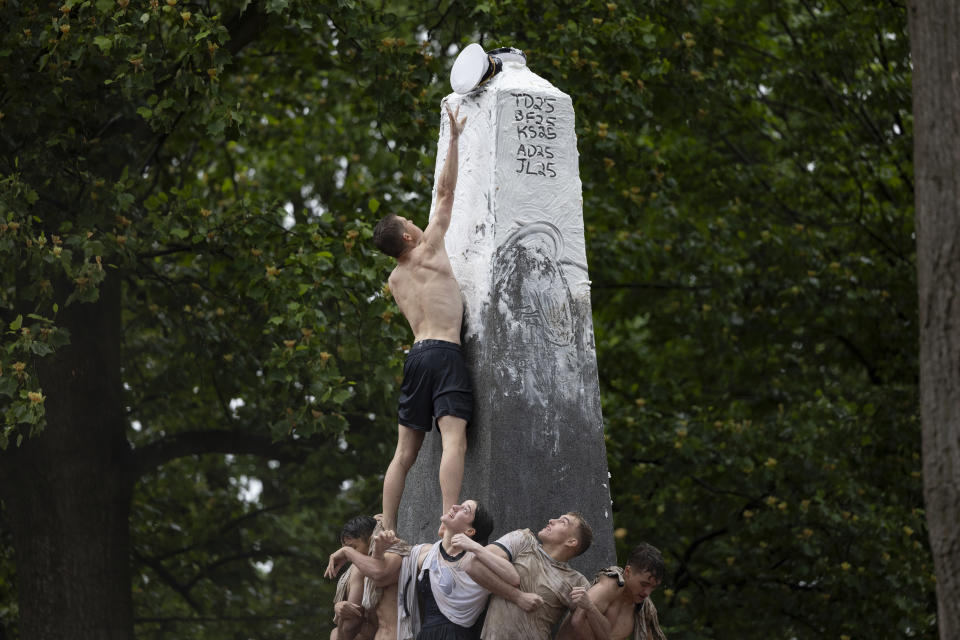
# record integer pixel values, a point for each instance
(456, 125)
(381, 542)
(337, 559)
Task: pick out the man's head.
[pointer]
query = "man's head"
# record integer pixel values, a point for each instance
(394, 235)
(356, 533)
(482, 524)
(644, 572)
(470, 518)
(569, 530)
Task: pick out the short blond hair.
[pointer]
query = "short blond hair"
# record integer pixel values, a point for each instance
(584, 532)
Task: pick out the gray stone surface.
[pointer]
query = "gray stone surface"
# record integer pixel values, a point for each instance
(535, 447)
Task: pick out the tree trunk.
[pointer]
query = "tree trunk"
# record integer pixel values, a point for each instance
(935, 48)
(67, 491)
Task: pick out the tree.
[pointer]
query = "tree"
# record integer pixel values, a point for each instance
(171, 298)
(756, 331)
(206, 386)
(933, 26)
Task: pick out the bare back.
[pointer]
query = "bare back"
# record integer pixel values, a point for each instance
(387, 614)
(427, 293)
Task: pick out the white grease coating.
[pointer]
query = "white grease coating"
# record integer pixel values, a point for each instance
(493, 200)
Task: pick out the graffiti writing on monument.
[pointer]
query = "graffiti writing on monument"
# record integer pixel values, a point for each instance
(532, 308)
(536, 121)
(529, 279)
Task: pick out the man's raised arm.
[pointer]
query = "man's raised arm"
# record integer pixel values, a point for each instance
(492, 581)
(447, 182)
(586, 622)
(380, 568)
(491, 556)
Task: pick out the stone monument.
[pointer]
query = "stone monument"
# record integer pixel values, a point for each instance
(516, 242)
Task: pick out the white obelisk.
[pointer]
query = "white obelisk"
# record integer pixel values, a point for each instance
(516, 242)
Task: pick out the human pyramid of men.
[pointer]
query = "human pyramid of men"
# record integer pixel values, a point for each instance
(459, 587)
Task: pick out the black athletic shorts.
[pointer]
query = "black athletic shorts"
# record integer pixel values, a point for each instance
(435, 384)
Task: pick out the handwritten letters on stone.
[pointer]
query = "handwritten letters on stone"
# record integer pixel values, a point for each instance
(535, 120)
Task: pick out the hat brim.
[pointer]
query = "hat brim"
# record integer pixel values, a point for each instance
(471, 67)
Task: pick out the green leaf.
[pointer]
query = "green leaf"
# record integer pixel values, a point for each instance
(341, 395)
(124, 200)
(40, 348)
(104, 43)
(215, 127)
(8, 386)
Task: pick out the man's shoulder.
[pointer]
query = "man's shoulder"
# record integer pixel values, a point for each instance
(429, 253)
(604, 590)
(562, 573)
(516, 543)
(394, 280)
(399, 280)
(521, 535)
(574, 577)
(397, 272)
(613, 573)
(417, 258)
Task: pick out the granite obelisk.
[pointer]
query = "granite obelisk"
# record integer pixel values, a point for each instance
(516, 243)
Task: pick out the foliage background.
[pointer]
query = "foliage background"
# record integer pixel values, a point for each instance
(748, 200)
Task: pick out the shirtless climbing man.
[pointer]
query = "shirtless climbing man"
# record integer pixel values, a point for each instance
(436, 383)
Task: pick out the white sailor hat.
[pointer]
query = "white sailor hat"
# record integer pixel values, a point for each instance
(474, 66)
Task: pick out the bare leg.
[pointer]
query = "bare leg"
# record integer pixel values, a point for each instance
(408, 446)
(350, 622)
(453, 432)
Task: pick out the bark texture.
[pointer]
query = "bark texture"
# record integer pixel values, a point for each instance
(67, 491)
(935, 48)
